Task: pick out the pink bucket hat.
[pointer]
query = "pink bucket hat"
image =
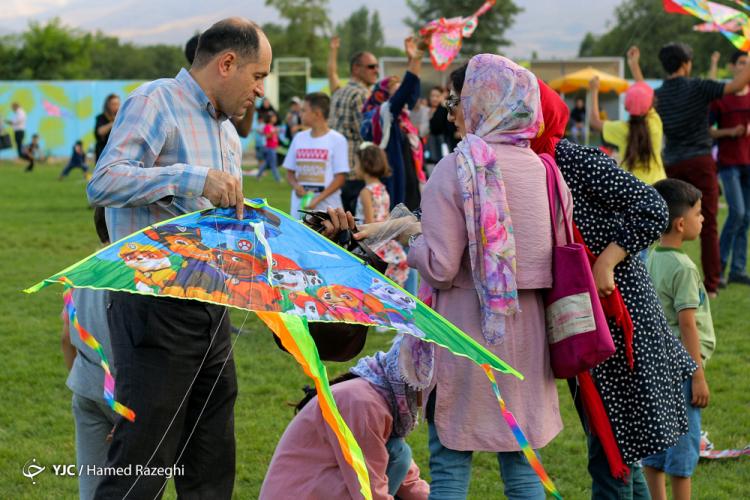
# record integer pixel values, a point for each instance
(639, 98)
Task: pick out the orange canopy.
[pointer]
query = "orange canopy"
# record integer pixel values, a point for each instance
(579, 80)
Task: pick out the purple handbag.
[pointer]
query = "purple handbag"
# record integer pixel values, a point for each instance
(577, 329)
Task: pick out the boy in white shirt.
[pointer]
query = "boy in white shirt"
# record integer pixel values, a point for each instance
(317, 162)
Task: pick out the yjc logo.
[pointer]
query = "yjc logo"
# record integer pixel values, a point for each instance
(31, 470)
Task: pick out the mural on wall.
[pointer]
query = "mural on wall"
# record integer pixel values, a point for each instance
(60, 112)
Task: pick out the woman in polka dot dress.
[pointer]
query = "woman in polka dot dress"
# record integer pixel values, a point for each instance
(618, 216)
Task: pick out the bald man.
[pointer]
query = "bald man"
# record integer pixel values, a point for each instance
(173, 150)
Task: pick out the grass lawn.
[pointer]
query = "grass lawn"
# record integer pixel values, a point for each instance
(47, 226)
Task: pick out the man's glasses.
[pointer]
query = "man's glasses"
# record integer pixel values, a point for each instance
(451, 103)
(371, 66)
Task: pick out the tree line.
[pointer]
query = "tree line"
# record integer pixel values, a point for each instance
(55, 51)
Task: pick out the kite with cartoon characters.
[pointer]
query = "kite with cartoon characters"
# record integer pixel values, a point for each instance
(282, 270)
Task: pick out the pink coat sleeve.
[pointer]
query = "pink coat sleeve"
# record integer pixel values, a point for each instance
(371, 427)
(438, 252)
(413, 487)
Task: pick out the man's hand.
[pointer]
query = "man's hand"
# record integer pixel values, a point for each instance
(223, 190)
(339, 221)
(700, 390)
(715, 56)
(594, 84)
(634, 55)
(411, 48)
(335, 43)
(300, 191)
(739, 131)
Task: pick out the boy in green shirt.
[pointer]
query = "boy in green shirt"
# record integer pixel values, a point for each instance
(684, 299)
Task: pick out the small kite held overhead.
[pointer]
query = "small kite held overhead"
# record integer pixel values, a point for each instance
(445, 35)
(288, 275)
(719, 18)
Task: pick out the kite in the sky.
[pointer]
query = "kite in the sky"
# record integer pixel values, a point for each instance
(288, 275)
(445, 35)
(732, 23)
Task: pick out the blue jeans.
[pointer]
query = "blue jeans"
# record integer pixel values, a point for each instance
(269, 155)
(451, 469)
(681, 459)
(733, 240)
(399, 461)
(94, 421)
(71, 166)
(604, 486)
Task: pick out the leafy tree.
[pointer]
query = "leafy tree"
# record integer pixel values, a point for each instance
(492, 26)
(303, 35)
(53, 51)
(362, 31)
(375, 36)
(644, 23)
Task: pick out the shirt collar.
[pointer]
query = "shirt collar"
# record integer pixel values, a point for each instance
(357, 83)
(660, 248)
(186, 80)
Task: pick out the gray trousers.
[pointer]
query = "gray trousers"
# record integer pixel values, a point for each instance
(94, 421)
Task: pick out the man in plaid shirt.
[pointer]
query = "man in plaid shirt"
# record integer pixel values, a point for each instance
(173, 150)
(346, 115)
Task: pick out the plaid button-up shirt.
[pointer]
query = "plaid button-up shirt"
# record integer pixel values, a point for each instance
(345, 115)
(166, 137)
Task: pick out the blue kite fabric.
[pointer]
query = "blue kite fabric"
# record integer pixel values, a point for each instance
(267, 262)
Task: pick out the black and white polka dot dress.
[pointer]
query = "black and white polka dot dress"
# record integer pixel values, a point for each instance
(645, 406)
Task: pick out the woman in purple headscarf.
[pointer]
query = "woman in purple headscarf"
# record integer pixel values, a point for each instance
(484, 246)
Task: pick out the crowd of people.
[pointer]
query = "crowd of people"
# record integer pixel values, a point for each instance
(472, 165)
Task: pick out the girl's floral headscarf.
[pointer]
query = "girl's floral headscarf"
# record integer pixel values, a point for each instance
(399, 375)
(500, 101)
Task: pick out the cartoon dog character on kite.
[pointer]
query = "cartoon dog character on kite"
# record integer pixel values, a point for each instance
(199, 276)
(153, 269)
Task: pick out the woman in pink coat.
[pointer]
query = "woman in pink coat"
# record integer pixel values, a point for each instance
(485, 247)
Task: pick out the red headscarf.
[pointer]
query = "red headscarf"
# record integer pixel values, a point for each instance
(555, 113)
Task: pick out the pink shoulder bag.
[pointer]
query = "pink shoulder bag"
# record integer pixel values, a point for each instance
(577, 330)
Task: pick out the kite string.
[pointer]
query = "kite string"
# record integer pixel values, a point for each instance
(190, 387)
(203, 409)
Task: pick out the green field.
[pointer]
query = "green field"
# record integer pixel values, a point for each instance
(48, 225)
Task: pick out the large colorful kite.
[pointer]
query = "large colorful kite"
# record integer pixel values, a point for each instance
(445, 35)
(288, 275)
(732, 23)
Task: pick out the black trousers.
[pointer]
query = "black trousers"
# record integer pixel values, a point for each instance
(158, 345)
(19, 134)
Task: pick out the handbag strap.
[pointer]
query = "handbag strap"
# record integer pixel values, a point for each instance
(555, 197)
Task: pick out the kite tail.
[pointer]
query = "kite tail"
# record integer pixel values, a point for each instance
(531, 456)
(296, 339)
(89, 340)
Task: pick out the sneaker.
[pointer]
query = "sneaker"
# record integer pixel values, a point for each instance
(723, 282)
(742, 279)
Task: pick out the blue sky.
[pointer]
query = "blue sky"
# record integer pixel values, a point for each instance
(553, 28)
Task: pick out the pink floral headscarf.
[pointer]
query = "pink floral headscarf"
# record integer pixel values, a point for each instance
(500, 101)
